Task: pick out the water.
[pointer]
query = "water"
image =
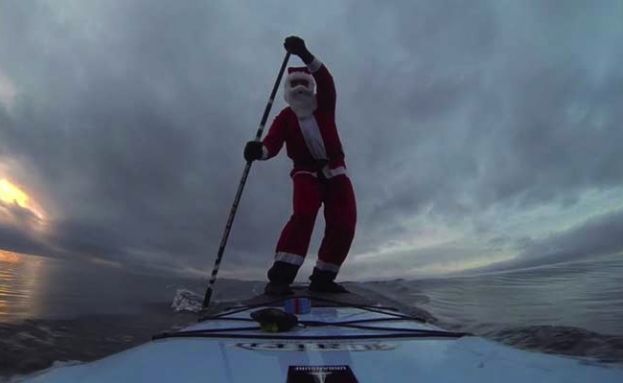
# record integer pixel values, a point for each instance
(55, 310)
(574, 308)
(44, 288)
(586, 294)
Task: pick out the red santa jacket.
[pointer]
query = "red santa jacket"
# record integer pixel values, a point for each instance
(301, 135)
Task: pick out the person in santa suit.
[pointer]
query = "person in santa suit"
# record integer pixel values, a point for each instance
(307, 127)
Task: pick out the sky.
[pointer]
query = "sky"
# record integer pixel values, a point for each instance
(479, 135)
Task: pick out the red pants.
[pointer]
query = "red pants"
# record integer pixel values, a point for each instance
(340, 215)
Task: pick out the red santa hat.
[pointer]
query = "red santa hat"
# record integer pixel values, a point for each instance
(300, 73)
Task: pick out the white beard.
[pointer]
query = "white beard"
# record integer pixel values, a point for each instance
(301, 100)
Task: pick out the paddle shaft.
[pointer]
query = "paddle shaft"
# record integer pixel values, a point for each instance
(243, 180)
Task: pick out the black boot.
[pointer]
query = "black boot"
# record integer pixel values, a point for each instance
(277, 289)
(280, 276)
(322, 281)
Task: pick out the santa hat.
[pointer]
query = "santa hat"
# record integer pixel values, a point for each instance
(300, 73)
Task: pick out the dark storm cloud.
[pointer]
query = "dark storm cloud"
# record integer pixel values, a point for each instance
(599, 236)
(132, 128)
(16, 225)
(132, 116)
(494, 105)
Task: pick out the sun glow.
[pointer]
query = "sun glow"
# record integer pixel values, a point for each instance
(10, 257)
(11, 194)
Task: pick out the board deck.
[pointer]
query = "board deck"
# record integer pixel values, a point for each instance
(358, 343)
(317, 299)
(356, 297)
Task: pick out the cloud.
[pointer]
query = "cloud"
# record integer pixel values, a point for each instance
(131, 118)
(602, 235)
(20, 229)
(7, 91)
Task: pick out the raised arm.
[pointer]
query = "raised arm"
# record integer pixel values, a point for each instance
(325, 93)
(324, 81)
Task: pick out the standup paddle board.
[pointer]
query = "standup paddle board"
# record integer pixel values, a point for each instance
(338, 338)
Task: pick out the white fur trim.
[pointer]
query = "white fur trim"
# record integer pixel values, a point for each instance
(313, 139)
(326, 266)
(314, 65)
(264, 152)
(330, 173)
(313, 174)
(293, 259)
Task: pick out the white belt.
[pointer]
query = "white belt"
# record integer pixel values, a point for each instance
(326, 171)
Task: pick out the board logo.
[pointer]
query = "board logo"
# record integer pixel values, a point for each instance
(321, 374)
(316, 347)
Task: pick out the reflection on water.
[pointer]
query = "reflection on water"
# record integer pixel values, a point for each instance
(19, 278)
(34, 287)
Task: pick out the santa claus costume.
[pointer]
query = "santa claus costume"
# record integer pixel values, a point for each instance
(307, 127)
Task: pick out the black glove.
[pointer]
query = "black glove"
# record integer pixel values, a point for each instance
(296, 46)
(254, 150)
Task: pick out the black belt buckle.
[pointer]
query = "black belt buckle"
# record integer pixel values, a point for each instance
(321, 165)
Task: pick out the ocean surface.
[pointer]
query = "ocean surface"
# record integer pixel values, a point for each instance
(55, 311)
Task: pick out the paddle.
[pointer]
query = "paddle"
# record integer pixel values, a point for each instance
(243, 180)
